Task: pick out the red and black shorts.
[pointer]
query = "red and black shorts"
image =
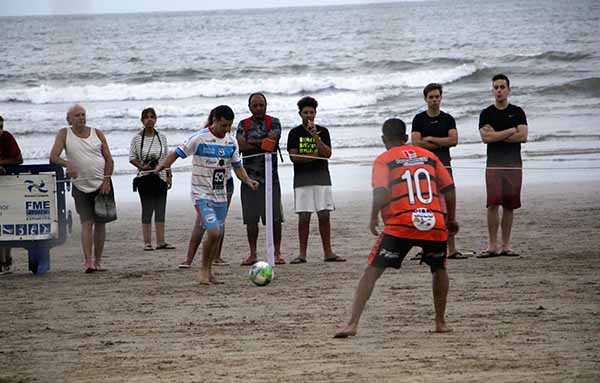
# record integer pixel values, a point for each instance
(389, 251)
(504, 187)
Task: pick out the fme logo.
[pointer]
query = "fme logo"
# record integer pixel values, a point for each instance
(31, 185)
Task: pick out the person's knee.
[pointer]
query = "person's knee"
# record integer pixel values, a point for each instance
(304, 218)
(323, 216)
(213, 234)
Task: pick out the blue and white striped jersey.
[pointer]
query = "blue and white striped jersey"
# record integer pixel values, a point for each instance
(212, 161)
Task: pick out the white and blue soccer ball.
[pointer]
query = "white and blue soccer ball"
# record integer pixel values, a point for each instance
(261, 273)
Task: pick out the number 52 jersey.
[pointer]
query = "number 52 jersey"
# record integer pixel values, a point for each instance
(415, 179)
(213, 157)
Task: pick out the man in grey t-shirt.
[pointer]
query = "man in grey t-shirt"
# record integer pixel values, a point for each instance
(257, 135)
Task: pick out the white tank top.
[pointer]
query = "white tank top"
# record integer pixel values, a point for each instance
(86, 155)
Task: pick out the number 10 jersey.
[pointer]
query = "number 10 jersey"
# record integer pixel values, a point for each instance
(415, 179)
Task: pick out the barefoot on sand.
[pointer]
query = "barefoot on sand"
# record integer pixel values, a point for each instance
(345, 331)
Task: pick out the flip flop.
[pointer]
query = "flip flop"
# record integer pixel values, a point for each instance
(488, 254)
(148, 247)
(165, 246)
(220, 262)
(90, 270)
(249, 261)
(509, 253)
(279, 261)
(458, 255)
(336, 258)
(297, 260)
(183, 266)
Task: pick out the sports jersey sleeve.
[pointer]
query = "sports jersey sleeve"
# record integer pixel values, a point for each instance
(381, 174)
(187, 148)
(236, 162)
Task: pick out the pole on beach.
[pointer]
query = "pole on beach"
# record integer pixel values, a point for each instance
(269, 209)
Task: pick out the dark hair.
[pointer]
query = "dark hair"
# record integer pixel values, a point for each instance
(257, 94)
(430, 87)
(147, 111)
(209, 119)
(394, 127)
(1, 119)
(501, 76)
(307, 101)
(221, 111)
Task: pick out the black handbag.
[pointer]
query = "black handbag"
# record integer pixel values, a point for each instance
(105, 209)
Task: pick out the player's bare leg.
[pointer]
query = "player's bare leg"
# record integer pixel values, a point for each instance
(506, 226)
(440, 286)
(208, 248)
(493, 221)
(361, 296)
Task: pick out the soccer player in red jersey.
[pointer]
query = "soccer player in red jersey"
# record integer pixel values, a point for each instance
(407, 182)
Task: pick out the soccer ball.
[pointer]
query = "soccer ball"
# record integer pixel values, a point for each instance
(261, 273)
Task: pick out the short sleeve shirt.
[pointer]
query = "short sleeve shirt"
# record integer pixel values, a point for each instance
(213, 157)
(438, 126)
(415, 179)
(8, 146)
(503, 153)
(310, 173)
(255, 165)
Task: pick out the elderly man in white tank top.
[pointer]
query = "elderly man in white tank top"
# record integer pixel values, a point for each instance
(90, 166)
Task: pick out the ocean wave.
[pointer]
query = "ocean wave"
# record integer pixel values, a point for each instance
(587, 86)
(550, 56)
(290, 85)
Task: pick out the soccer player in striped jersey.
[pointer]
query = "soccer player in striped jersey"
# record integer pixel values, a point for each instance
(214, 153)
(407, 185)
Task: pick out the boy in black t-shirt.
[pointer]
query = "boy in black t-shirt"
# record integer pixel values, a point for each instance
(435, 130)
(503, 127)
(309, 147)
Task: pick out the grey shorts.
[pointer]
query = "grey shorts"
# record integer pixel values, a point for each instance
(253, 204)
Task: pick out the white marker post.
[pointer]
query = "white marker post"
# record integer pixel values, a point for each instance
(269, 208)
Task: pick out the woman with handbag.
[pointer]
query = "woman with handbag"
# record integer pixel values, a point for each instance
(147, 148)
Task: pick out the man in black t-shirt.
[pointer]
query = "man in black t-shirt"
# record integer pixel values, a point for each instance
(503, 127)
(309, 147)
(435, 130)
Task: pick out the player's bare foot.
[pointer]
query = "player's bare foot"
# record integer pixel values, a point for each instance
(203, 277)
(215, 281)
(442, 328)
(345, 331)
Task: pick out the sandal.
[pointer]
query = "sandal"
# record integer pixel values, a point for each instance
(488, 254)
(297, 260)
(249, 261)
(220, 262)
(165, 246)
(458, 255)
(148, 247)
(509, 253)
(279, 261)
(335, 258)
(183, 266)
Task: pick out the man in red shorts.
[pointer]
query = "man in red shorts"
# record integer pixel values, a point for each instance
(503, 127)
(407, 182)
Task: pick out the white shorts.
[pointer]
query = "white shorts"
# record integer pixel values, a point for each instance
(313, 198)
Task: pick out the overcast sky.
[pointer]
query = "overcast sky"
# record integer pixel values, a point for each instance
(50, 7)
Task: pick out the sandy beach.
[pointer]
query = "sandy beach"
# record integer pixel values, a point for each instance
(527, 319)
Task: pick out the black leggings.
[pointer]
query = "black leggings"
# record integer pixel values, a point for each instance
(154, 201)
